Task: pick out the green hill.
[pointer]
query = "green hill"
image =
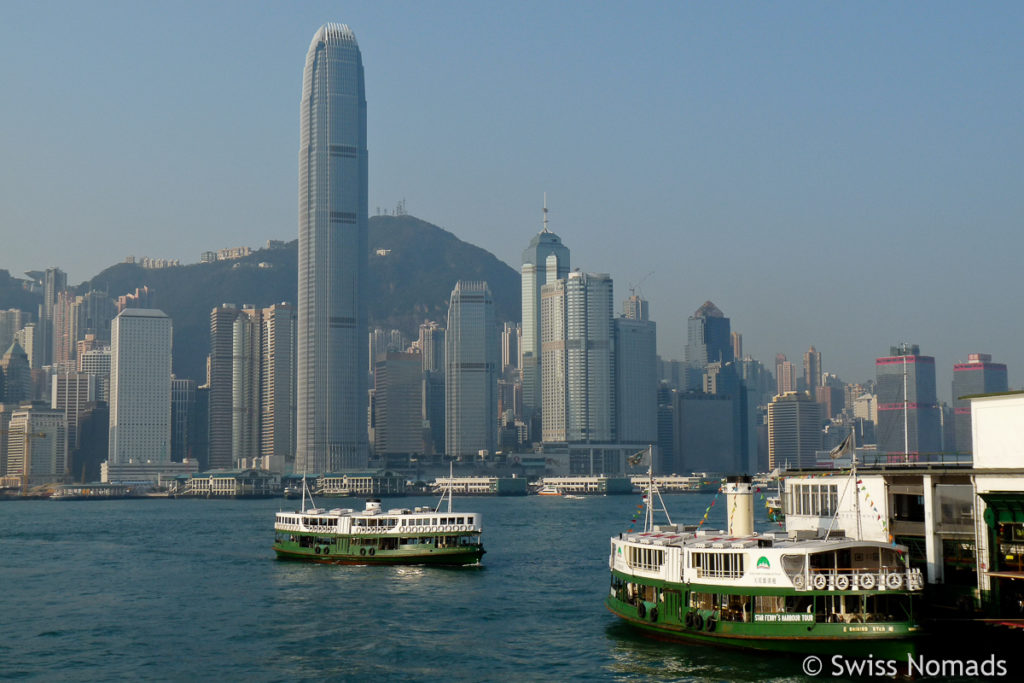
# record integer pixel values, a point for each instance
(411, 283)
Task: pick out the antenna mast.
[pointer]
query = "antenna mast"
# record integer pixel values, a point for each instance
(545, 213)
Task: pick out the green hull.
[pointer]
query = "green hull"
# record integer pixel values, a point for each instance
(886, 640)
(437, 556)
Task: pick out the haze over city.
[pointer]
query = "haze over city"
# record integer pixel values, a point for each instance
(842, 176)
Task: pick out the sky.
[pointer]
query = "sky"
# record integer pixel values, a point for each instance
(847, 175)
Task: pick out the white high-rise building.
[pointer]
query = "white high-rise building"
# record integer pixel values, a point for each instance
(140, 387)
(471, 371)
(578, 342)
(544, 261)
(97, 362)
(37, 447)
(277, 384)
(332, 331)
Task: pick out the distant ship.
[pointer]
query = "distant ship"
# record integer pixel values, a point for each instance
(373, 536)
(765, 591)
(549, 490)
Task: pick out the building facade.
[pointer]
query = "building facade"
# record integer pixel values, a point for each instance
(979, 375)
(471, 372)
(794, 430)
(577, 325)
(72, 392)
(332, 318)
(398, 423)
(140, 387)
(909, 423)
(37, 448)
(545, 260)
(708, 337)
(636, 381)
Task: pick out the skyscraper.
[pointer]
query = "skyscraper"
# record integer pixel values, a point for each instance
(812, 369)
(471, 371)
(183, 418)
(708, 339)
(979, 375)
(277, 382)
(794, 430)
(577, 363)
(140, 387)
(222, 321)
(908, 409)
(544, 261)
(332, 332)
(636, 381)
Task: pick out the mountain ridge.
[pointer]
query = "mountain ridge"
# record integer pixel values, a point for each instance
(409, 283)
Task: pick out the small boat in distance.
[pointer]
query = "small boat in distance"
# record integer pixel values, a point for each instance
(549, 490)
(373, 536)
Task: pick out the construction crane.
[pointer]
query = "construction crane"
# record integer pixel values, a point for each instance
(633, 288)
(27, 461)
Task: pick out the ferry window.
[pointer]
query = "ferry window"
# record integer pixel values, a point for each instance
(470, 520)
(646, 558)
(769, 604)
(461, 520)
(722, 565)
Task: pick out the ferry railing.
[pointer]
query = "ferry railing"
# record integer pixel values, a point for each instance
(861, 578)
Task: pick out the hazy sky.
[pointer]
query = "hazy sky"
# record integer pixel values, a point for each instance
(847, 175)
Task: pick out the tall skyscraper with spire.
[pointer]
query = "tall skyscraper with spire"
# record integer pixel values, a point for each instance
(544, 261)
(332, 334)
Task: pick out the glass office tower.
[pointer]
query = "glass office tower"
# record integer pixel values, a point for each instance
(332, 337)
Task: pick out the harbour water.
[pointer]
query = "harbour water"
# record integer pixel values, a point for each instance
(178, 589)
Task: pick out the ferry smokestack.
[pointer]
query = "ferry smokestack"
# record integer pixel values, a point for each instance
(740, 505)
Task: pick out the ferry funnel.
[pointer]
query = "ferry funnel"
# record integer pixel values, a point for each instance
(740, 505)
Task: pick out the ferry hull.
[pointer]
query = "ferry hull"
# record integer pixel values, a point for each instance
(881, 641)
(430, 556)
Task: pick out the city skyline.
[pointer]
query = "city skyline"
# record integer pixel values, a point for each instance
(829, 127)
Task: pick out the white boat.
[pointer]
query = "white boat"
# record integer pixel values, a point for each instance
(767, 591)
(549, 490)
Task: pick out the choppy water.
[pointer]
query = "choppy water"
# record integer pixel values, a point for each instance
(182, 589)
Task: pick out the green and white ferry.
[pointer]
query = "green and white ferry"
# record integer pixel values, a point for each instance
(372, 536)
(765, 591)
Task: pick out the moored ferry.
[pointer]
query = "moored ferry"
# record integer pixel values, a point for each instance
(765, 591)
(373, 536)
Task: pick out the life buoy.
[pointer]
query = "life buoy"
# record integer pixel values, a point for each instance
(362, 551)
(654, 614)
(689, 620)
(641, 610)
(842, 582)
(867, 581)
(698, 622)
(372, 551)
(798, 581)
(894, 581)
(710, 624)
(820, 581)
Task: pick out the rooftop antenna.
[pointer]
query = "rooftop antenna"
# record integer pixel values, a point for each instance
(545, 213)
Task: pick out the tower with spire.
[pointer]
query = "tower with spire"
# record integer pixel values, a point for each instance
(545, 260)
